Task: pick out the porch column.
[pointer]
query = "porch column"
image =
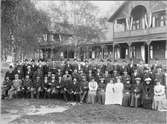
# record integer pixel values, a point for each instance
(143, 52)
(113, 52)
(166, 50)
(129, 49)
(87, 52)
(67, 52)
(52, 54)
(102, 47)
(148, 42)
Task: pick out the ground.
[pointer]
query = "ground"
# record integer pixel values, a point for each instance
(16, 111)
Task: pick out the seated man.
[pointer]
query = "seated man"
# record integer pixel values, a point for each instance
(16, 87)
(26, 86)
(5, 87)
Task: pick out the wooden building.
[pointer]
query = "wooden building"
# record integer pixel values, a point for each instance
(140, 31)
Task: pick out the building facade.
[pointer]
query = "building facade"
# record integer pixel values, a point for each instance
(140, 31)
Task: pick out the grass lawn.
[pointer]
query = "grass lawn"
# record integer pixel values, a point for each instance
(83, 114)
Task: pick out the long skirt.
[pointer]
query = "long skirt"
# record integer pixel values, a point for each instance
(135, 100)
(160, 103)
(101, 97)
(91, 97)
(126, 99)
(147, 103)
(109, 98)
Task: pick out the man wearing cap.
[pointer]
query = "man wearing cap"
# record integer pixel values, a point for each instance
(147, 93)
(136, 93)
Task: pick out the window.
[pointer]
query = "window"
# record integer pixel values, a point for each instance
(158, 49)
(137, 24)
(159, 18)
(45, 37)
(120, 26)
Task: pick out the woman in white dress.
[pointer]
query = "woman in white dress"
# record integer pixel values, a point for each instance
(109, 94)
(160, 101)
(118, 91)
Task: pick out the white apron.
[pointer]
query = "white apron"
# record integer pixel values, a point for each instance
(118, 93)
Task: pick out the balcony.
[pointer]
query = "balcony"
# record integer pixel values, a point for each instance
(143, 32)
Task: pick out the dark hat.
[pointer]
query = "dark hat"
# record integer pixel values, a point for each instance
(109, 60)
(159, 66)
(146, 68)
(92, 78)
(10, 66)
(86, 60)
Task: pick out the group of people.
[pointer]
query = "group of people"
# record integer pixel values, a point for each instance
(128, 84)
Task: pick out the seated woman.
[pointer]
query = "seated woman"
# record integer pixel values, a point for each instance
(16, 87)
(136, 93)
(126, 93)
(147, 93)
(109, 95)
(159, 101)
(92, 91)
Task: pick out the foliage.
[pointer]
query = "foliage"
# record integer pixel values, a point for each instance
(21, 19)
(82, 15)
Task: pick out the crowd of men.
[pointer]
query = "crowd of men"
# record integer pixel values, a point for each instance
(84, 82)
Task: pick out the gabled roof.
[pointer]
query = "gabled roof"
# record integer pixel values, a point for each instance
(117, 11)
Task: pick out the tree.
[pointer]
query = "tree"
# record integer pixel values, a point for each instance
(21, 20)
(82, 15)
